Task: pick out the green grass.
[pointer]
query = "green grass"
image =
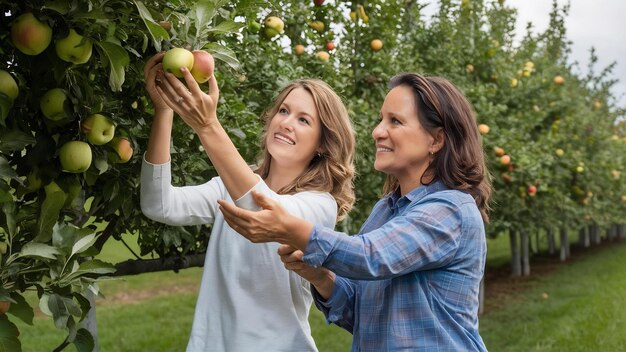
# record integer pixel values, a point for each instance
(585, 309)
(153, 312)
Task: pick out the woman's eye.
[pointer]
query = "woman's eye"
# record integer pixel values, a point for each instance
(303, 120)
(283, 111)
(395, 121)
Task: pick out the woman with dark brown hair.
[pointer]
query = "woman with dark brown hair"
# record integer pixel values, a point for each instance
(410, 279)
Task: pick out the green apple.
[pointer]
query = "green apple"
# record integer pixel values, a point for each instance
(98, 129)
(123, 150)
(75, 156)
(52, 104)
(273, 26)
(29, 35)
(203, 65)
(74, 48)
(177, 58)
(8, 86)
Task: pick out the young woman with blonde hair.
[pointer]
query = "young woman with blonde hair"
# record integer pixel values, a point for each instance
(248, 301)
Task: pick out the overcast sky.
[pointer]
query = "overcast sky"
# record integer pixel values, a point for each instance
(590, 23)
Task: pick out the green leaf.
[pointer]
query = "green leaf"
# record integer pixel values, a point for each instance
(83, 243)
(157, 32)
(6, 170)
(8, 336)
(50, 210)
(14, 141)
(5, 295)
(43, 304)
(118, 60)
(223, 53)
(21, 308)
(40, 250)
(226, 27)
(84, 341)
(61, 308)
(8, 208)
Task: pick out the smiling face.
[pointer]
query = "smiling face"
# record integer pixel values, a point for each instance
(403, 146)
(294, 133)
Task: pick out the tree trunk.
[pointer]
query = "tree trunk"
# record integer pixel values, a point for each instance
(516, 263)
(525, 249)
(551, 241)
(583, 237)
(90, 323)
(564, 244)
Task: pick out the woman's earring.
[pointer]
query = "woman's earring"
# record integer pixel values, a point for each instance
(431, 152)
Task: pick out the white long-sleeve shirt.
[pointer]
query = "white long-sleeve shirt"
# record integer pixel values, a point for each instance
(248, 301)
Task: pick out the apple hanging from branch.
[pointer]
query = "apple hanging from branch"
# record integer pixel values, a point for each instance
(74, 48)
(75, 157)
(29, 35)
(98, 129)
(53, 104)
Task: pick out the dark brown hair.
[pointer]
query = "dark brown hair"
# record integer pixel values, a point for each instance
(460, 163)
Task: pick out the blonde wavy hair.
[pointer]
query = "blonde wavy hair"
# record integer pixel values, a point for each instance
(332, 170)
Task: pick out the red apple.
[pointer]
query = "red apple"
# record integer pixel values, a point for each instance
(30, 35)
(532, 190)
(203, 65)
(123, 150)
(318, 2)
(330, 46)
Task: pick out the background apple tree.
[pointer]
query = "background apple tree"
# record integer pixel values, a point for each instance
(553, 135)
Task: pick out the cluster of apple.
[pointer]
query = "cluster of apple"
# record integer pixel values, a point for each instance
(31, 37)
(75, 156)
(199, 63)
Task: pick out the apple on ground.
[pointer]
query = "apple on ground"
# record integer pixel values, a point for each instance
(176, 58)
(75, 156)
(376, 44)
(330, 46)
(273, 26)
(505, 159)
(318, 2)
(74, 48)
(203, 66)
(8, 86)
(469, 68)
(298, 49)
(532, 190)
(498, 151)
(98, 129)
(483, 129)
(52, 104)
(29, 35)
(123, 150)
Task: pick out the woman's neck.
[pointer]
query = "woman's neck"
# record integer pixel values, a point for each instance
(279, 176)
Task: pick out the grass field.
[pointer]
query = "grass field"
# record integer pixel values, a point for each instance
(584, 309)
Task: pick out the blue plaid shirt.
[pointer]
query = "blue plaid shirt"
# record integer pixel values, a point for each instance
(410, 279)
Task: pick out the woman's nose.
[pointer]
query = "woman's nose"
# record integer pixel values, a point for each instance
(287, 123)
(378, 131)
